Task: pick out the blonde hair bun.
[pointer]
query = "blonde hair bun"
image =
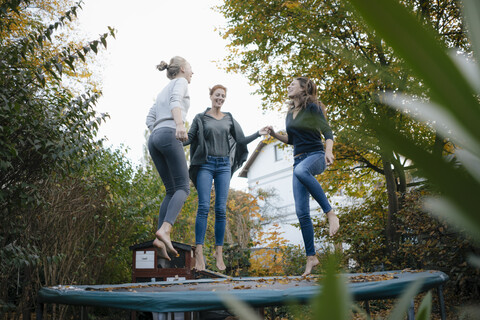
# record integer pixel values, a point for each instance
(173, 68)
(162, 66)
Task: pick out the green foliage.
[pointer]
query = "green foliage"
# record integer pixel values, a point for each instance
(71, 232)
(237, 260)
(334, 301)
(326, 41)
(424, 243)
(362, 229)
(405, 300)
(425, 309)
(293, 262)
(132, 199)
(42, 125)
(46, 135)
(455, 117)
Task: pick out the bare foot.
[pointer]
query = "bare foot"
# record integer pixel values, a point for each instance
(163, 234)
(219, 257)
(199, 261)
(312, 261)
(333, 222)
(161, 250)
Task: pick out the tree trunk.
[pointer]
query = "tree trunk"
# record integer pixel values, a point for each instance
(390, 229)
(401, 185)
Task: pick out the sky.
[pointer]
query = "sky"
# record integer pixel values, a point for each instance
(149, 31)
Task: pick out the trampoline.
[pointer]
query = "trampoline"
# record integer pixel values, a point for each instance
(206, 294)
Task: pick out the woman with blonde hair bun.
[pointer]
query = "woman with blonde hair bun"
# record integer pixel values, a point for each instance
(166, 122)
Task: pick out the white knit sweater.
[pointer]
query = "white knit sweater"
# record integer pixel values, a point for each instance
(175, 94)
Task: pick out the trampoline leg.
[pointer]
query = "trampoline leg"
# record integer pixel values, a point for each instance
(261, 313)
(39, 311)
(443, 314)
(411, 311)
(83, 313)
(367, 307)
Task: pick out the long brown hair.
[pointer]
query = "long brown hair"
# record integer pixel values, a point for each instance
(309, 95)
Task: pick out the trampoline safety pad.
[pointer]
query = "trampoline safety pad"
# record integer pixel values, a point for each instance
(206, 294)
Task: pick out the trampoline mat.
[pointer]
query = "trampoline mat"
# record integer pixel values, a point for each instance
(206, 294)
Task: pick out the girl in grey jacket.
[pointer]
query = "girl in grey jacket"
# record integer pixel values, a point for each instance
(218, 149)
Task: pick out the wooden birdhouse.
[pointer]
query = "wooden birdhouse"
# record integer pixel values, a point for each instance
(148, 266)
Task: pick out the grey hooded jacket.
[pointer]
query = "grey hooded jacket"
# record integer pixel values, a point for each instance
(198, 149)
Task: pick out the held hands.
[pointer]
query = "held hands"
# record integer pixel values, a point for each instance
(263, 131)
(181, 132)
(281, 137)
(270, 130)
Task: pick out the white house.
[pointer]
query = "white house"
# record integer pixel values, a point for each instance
(270, 168)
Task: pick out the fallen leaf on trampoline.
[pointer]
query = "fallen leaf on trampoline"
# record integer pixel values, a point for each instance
(242, 287)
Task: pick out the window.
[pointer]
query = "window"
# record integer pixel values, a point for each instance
(279, 153)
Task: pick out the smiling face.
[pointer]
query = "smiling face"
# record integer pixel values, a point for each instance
(187, 72)
(294, 89)
(218, 98)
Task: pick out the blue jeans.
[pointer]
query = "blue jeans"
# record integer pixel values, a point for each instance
(169, 159)
(216, 169)
(305, 167)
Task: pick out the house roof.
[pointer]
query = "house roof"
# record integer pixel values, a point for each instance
(251, 160)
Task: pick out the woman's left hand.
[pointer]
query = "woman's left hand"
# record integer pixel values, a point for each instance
(329, 157)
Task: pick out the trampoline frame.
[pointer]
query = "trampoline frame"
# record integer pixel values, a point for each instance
(168, 301)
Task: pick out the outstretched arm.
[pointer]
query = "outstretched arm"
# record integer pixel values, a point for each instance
(246, 140)
(281, 137)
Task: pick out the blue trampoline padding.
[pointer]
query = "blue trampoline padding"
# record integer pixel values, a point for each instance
(206, 294)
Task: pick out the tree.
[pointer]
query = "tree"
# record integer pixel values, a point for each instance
(272, 41)
(47, 132)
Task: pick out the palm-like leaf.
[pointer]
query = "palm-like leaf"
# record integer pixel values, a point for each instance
(404, 301)
(455, 108)
(334, 301)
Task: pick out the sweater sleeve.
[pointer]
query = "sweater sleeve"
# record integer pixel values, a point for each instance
(326, 130)
(248, 139)
(240, 138)
(179, 91)
(320, 121)
(151, 117)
